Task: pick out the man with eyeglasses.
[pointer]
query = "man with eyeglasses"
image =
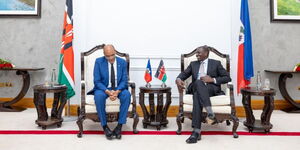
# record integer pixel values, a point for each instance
(110, 83)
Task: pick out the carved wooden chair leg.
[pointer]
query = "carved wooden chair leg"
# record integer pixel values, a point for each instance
(135, 122)
(235, 126)
(80, 126)
(179, 120)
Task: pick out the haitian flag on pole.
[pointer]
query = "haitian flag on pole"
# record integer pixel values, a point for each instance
(66, 63)
(161, 72)
(148, 72)
(245, 60)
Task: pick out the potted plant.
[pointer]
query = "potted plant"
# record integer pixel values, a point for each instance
(5, 64)
(297, 68)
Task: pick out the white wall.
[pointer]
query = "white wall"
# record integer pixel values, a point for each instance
(154, 29)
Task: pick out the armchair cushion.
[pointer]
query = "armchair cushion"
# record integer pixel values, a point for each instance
(216, 109)
(220, 100)
(108, 108)
(111, 106)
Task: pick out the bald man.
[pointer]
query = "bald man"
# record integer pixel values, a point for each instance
(110, 83)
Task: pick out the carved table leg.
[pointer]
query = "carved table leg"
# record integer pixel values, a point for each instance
(7, 106)
(267, 111)
(151, 105)
(41, 107)
(35, 101)
(63, 101)
(144, 109)
(55, 105)
(159, 107)
(249, 114)
(271, 108)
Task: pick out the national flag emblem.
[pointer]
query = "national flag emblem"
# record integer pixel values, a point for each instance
(66, 63)
(245, 60)
(161, 72)
(148, 72)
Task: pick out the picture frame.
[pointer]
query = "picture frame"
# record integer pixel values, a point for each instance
(285, 10)
(20, 8)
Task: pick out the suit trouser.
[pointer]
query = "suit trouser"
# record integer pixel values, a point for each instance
(100, 101)
(201, 94)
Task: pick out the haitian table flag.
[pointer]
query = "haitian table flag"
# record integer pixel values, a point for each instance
(66, 63)
(245, 60)
(148, 72)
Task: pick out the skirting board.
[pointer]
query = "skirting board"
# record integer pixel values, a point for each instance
(172, 112)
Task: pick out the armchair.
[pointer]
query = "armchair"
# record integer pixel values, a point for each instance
(87, 109)
(223, 105)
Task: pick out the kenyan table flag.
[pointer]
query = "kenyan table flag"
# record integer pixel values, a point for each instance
(161, 72)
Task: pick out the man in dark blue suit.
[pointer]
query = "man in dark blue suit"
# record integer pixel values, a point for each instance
(207, 77)
(111, 81)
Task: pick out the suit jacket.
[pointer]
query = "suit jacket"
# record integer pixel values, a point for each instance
(214, 70)
(101, 75)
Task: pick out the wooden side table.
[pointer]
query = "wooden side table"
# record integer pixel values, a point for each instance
(7, 106)
(264, 123)
(59, 102)
(159, 118)
(284, 75)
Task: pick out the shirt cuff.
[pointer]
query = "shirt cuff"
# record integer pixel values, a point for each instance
(215, 81)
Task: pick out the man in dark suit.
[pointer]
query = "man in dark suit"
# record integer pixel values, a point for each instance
(111, 81)
(207, 77)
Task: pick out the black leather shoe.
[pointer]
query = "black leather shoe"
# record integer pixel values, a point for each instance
(193, 138)
(108, 133)
(117, 131)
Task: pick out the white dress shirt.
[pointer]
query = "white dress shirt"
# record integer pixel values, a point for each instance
(205, 64)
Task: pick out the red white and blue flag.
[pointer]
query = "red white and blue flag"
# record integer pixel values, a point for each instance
(245, 60)
(148, 72)
(66, 63)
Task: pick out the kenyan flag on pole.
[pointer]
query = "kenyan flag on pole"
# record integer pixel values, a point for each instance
(161, 72)
(66, 62)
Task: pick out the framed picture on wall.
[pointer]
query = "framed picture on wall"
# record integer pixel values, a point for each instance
(20, 8)
(285, 10)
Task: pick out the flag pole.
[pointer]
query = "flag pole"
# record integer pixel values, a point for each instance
(68, 117)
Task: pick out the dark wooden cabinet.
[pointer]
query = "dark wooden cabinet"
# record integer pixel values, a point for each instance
(155, 116)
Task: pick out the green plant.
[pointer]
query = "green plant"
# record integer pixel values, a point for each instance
(2, 61)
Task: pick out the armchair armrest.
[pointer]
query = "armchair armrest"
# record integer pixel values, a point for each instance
(232, 102)
(230, 85)
(131, 84)
(181, 93)
(82, 93)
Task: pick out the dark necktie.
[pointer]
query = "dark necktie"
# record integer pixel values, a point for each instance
(112, 77)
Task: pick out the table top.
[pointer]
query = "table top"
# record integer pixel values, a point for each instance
(281, 71)
(21, 69)
(255, 91)
(154, 88)
(50, 87)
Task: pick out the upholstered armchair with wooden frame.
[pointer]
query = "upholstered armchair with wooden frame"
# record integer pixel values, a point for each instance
(87, 110)
(223, 105)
